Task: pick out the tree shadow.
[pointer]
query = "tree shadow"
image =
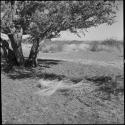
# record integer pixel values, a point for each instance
(99, 80)
(40, 72)
(48, 61)
(108, 85)
(76, 80)
(37, 72)
(33, 75)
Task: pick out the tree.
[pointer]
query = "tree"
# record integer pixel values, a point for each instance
(46, 19)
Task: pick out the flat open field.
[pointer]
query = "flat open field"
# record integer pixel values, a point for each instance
(66, 88)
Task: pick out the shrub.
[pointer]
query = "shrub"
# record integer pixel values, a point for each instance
(50, 48)
(94, 46)
(112, 43)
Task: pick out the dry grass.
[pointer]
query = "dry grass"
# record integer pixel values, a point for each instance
(71, 94)
(62, 92)
(95, 46)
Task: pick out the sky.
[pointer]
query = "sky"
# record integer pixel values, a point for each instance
(101, 32)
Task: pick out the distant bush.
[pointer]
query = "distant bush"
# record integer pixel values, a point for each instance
(75, 42)
(106, 45)
(70, 47)
(51, 48)
(94, 46)
(112, 43)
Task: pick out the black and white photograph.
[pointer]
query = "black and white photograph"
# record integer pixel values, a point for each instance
(62, 62)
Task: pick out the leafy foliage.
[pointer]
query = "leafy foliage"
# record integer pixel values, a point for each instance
(46, 19)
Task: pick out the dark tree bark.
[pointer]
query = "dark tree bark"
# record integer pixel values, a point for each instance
(9, 55)
(4, 43)
(16, 40)
(32, 60)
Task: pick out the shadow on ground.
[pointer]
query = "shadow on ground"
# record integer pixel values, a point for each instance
(38, 72)
(108, 85)
(47, 63)
(23, 73)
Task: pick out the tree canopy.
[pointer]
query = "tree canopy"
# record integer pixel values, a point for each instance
(48, 18)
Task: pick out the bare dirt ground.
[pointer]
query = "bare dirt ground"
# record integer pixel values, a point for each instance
(65, 91)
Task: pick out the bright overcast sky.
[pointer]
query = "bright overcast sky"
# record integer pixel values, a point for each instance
(101, 32)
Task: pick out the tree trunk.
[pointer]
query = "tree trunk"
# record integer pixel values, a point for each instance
(16, 40)
(32, 60)
(9, 55)
(14, 33)
(3, 47)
